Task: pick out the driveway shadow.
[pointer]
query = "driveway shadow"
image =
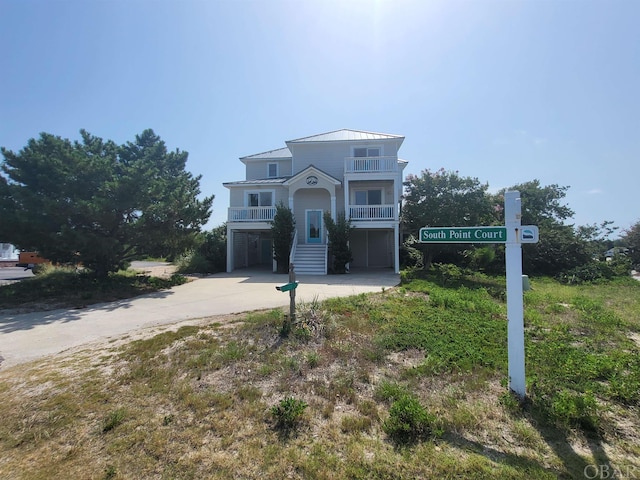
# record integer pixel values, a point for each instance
(12, 322)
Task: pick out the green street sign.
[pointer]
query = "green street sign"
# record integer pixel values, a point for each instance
(287, 287)
(463, 235)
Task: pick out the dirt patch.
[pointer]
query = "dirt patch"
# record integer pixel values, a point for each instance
(162, 271)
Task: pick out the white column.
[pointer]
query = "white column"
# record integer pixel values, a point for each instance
(333, 204)
(515, 304)
(229, 249)
(291, 203)
(346, 199)
(396, 250)
(396, 197)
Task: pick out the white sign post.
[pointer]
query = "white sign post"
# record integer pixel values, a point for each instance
(515, 304)
(513, 234)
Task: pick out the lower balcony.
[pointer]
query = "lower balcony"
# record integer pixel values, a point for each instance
(371, 212)
(251, 214)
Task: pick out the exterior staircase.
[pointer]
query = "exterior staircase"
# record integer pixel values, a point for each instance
(310, 259)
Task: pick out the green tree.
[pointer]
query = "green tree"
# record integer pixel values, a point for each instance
(339, 232)
(100, 203)
(209, 254)
(597, 237)
(282, 229)
(444, 199)
(560, 248)
(631, 239)
(543, 205)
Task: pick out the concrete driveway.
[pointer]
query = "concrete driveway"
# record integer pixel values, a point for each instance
(29, 336)
(13, 274)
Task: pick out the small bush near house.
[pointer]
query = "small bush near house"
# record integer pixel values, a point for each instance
(339, 234)
(210, 256)
(282, 230)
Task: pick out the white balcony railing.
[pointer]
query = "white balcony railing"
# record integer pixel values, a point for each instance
(371, 212)
(370, 164)
(251, 214)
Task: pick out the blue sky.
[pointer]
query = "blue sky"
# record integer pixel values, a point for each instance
(506, 91)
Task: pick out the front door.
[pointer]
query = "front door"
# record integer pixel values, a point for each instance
(314, 226)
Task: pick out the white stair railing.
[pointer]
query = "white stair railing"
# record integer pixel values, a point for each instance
(294, 245)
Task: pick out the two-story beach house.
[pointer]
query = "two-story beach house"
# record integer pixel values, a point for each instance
(351, 171)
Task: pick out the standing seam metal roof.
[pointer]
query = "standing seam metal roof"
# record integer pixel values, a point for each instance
(279, 153)
(345, 135)
(260, 181)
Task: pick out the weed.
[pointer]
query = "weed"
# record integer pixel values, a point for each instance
(369, 409)
(288, 413)
(167, 420)
(389, 392)
(110, 472)
(113, 419)
(355, 424)
(575, 409)
(313, 359)
(511, 403)
(409, 421)
(249, 393)
(526, 434)
(343, 387)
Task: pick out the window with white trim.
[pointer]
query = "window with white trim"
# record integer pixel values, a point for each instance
(366, 152)
(368, 197)
(260, 199)
(272, 170)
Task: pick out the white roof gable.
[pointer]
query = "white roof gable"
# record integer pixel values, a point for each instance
(312, 169)
(346, 135)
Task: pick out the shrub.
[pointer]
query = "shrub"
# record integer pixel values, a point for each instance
(42, 268)
(210, 256)
(595, 271)
(288, 413)
(282, 230)
(410, 256)
(409, 420)
(575, 409)
(339, 233)
(448, 273)
(388, 391)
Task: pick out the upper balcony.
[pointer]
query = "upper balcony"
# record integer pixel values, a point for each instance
(251, 214)
(368, 213)
(387, 164)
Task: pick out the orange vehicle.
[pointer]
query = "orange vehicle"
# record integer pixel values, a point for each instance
(30, 259)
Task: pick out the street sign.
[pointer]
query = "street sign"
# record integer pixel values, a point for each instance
(498, 234)
(287, 287)
(463, 235)
(529, 234)
(513, 234)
